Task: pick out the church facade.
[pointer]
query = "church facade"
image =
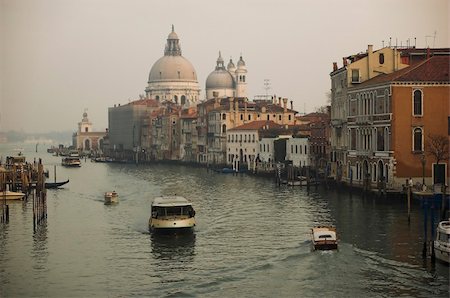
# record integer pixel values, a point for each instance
(85, 139)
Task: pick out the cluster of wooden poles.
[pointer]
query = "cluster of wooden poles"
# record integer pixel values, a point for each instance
(28, 178)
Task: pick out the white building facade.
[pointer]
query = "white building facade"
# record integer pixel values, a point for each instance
(297, 151)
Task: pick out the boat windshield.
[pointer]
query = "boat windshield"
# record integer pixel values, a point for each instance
(444, 237)
(173, 211)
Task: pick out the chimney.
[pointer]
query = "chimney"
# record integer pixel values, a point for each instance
(279, 101)
(344, 60)
(285, 100)
(292, 105)
(274, 99)
(335, 66)
(369, 49)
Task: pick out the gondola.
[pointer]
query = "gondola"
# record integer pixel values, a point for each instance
(55, 184)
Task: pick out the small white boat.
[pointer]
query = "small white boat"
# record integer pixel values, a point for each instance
(11, 195)
(111, 197)
(442, 241)
(71, 161)
(171, 213)
(324, 238)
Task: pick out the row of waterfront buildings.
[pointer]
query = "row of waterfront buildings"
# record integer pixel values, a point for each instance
(388, 107)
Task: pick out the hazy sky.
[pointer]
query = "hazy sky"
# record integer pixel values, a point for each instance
(59, 57)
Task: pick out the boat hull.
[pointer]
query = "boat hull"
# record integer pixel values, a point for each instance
(441, 253)
(156, 224)
(10, 195)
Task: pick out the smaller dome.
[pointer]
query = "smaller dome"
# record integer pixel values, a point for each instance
(241, 63)
(231, 67)
(220, 79)
(172, 34)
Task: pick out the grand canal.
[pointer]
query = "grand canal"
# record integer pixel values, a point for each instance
(251, 239)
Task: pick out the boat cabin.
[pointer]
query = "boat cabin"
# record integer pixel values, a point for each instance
(172, 207)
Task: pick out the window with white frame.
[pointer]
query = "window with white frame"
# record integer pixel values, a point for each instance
(417, 139)
(417, 103)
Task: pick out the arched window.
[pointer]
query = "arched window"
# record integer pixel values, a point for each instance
(183, 99)
(157, 97)
(86, 129)
(243, 78)
(224, 128)
(417, 139)
(381, 58)
(242, 116)
(175, 99)
(268, 117)
(417, 103)
(224, 116)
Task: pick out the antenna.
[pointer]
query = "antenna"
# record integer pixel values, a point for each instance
(434, 39)
(267, 87)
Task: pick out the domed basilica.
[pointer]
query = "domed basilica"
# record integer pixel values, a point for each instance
(229, 82)
(173, 78)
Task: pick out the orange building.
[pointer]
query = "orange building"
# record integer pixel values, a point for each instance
(393, 119)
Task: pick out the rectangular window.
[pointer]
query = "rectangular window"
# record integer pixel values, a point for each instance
(355, 75)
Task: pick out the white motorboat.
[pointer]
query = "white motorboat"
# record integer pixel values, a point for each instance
(324, 238)
(11, 195)
(71, 161)
(171, 213)
(442, 241)
(111, 197)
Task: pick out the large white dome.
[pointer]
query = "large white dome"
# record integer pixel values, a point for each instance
(172, 68)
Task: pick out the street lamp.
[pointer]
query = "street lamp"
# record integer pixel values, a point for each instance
(422, 159)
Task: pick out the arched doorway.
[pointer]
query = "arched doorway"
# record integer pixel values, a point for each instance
(366, 174)
(87, 144)
(381, 175)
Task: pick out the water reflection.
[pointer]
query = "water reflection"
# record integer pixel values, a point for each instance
(40, 246)
(174, 246)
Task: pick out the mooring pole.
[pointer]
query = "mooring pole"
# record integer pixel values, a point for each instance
(425, 225)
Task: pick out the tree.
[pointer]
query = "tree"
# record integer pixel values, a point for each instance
(437, 146)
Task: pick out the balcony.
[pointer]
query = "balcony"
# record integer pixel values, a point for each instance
(364, 120)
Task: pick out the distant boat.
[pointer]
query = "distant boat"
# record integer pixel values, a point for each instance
(71, 161)
(324, 238)
(111, 197)
(11, 195)
(55, 184)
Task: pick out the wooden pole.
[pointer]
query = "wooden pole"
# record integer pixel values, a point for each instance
(409, 204)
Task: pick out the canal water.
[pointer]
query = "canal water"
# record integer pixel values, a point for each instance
(251, 239)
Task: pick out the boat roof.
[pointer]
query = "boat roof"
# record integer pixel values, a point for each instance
(171, 201)
(321, 233)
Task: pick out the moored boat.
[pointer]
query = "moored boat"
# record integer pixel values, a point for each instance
(324, 238)
(442, 241)
(49, 185)
(111, 197)
(171, 213)
(11, 195)
(71, 161)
